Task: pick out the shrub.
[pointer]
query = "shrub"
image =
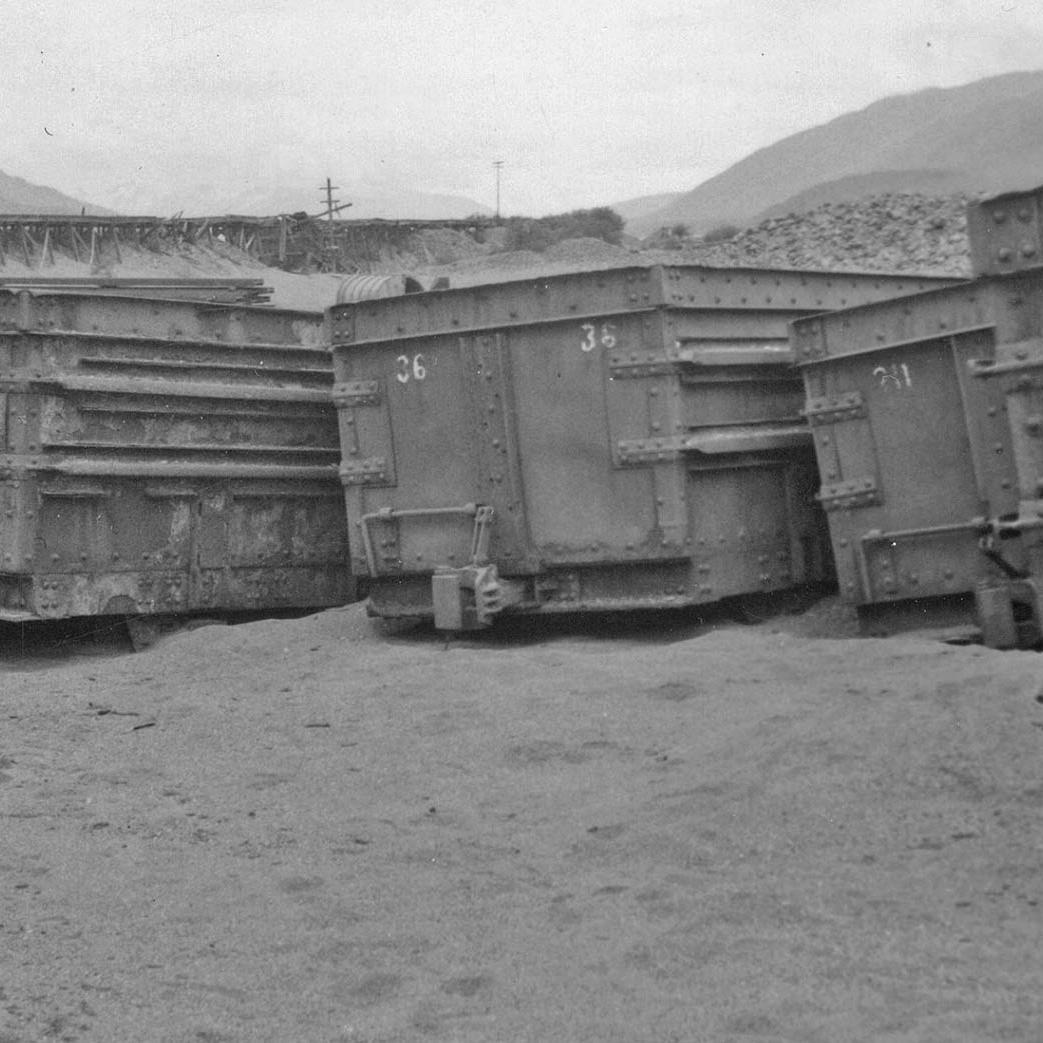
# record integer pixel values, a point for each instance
(721, 232)
(539, 233)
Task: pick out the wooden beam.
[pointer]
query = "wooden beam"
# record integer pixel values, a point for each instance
(45, 251)
(79, 247)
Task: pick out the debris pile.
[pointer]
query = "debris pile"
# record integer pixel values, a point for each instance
(896, 232)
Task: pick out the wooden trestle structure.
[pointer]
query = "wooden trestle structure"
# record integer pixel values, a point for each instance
(296, 242)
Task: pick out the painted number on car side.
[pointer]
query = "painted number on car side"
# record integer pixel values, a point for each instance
(605, 335)
(410, 368)
(896, 376)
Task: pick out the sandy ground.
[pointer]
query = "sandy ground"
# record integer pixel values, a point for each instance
(312, 830)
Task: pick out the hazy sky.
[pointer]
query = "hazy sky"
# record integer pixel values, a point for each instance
(585, 101)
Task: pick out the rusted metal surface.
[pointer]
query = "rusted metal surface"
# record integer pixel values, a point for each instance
(1006, 232)
(632, 438)
(225, 291)
(927, 414)
(164, 457)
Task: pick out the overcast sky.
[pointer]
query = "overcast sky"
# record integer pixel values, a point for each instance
(586, 102)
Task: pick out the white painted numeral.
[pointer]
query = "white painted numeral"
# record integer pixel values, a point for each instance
(407, 368)
(591, 337)
(894, 376)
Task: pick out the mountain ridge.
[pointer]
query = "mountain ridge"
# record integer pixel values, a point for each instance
(18, 196)
(985, 137)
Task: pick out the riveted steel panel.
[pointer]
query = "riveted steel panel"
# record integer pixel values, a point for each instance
(923, 417)
(609, 420)
(166, 456)
(115, 317)
(1006, 232)
(608, 291)
(1008, 305)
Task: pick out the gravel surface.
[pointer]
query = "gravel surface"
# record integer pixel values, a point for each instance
(309, 830)
(890, 233)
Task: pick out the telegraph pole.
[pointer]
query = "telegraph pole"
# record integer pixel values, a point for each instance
(498, 165)
(329, 244)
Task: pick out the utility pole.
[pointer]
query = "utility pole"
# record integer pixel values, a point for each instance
(329, 245)
(498, 165)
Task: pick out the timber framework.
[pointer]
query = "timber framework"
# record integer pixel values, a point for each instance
(295, 242)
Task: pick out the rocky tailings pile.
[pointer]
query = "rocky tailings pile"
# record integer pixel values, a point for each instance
(888, 233)
(895, 232)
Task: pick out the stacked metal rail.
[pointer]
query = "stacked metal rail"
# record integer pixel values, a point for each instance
(164, 456)
(228, 291)
(928, 422)
(611, 439)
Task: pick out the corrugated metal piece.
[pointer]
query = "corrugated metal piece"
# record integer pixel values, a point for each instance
(635, 432)
(355, 288)
(165, 456)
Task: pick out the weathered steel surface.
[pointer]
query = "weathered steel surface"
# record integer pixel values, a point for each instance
(926, 414)
(634, 434)
(1006, 232)
(228, 291)
(163, 456)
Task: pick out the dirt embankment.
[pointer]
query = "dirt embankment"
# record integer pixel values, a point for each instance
(891, 233)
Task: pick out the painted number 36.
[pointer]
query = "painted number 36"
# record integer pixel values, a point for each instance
(410, 368)
(592, 337)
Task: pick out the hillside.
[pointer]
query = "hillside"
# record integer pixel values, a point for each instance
(18, 196)
(985, 136)
(274, 196)
(632, 210)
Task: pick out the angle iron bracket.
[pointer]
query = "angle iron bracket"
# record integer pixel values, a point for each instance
(637, 452)
(651, 367)
(830, 410)
(357, 393)
(843, 496)
(371, 471)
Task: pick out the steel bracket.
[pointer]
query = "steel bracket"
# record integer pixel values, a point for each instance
(832, 410)
(651, 367)
(370, 471)
(843, 496)
(649, 450)
(357, 393)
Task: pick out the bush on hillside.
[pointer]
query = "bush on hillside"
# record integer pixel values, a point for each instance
(539, 233)
(719, 233)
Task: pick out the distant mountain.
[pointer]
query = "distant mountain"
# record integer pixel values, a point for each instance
(18, 196)
(264, 199)
(633, 209)
(985, 136)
